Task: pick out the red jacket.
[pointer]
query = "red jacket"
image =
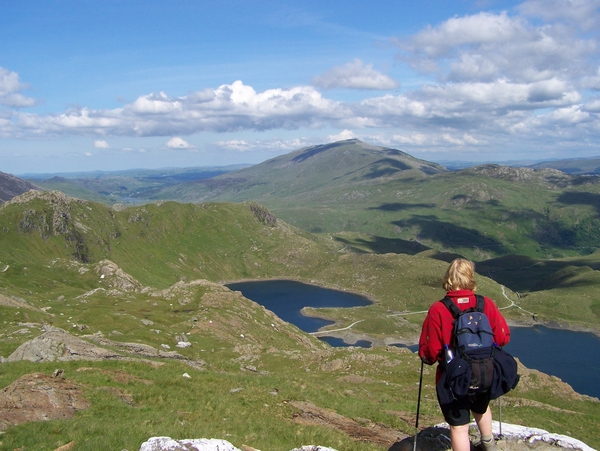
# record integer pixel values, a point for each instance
(437, 327)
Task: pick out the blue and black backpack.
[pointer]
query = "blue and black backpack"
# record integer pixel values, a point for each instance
(473, 341)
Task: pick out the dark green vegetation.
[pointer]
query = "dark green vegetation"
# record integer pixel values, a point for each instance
(153, 273)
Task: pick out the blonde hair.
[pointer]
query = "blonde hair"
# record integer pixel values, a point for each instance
(460, 275)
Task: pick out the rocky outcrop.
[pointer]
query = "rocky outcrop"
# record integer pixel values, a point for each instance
(113, 276)
(545, 177)
(437, 438)
(36, 397)
(53, 219)
(14, 302)
(509, 437)
(203, 444)
(57, 345)
(143, 350)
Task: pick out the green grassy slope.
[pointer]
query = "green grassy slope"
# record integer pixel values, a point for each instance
(306, 172)
(391, 200)
(169, 260)
(474, 214)
(164, 243)
(481, 212)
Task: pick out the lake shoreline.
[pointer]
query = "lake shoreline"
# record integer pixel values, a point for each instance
(314, 283)
(350, 337)
(554, 325)
(290, 300)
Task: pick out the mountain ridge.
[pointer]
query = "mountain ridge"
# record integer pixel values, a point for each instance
(480, 212)
(11, 186)
(389, 196)
(589, 165)
(350, 162)
(545, 176)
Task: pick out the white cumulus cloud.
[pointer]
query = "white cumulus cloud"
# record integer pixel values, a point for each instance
(155, 104)
(342, 136)
(10, 90)
(525, 77)
(582, 13)
(101, 144)
(177, 143)
(410, 138)
(242, 145)
(355, 75)
(486, 46)
(230, 107)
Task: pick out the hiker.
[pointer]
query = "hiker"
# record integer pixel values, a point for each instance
(437, 332)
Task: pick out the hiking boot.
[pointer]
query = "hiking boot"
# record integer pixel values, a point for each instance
(488, 445)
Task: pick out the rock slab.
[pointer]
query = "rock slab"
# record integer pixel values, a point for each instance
(204, 444)
(37, 397)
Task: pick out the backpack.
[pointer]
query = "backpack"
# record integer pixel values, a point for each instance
(473, 341)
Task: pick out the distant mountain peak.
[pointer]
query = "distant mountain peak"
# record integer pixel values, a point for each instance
(308, 172)
(362, 148)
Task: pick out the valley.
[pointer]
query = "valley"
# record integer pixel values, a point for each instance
(390, 201)
(140, 280)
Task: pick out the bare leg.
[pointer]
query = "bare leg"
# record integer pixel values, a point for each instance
(484, 423)
(460, 438)
(460, 434)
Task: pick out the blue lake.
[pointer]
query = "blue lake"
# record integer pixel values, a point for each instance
(339, 343)
(572, 356)
(286, 298)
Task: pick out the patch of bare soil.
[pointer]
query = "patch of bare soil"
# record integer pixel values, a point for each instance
(37, 397)
(365, 431)
(119, 376)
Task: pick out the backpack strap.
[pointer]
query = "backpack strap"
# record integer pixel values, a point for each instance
(456, 312)
(480, 303)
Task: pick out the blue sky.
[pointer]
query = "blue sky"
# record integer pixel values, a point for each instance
(110, 84)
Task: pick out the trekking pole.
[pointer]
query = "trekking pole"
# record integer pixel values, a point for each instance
(418, 408)
(500, 436)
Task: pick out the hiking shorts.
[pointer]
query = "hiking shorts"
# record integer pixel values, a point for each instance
(458, 412)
